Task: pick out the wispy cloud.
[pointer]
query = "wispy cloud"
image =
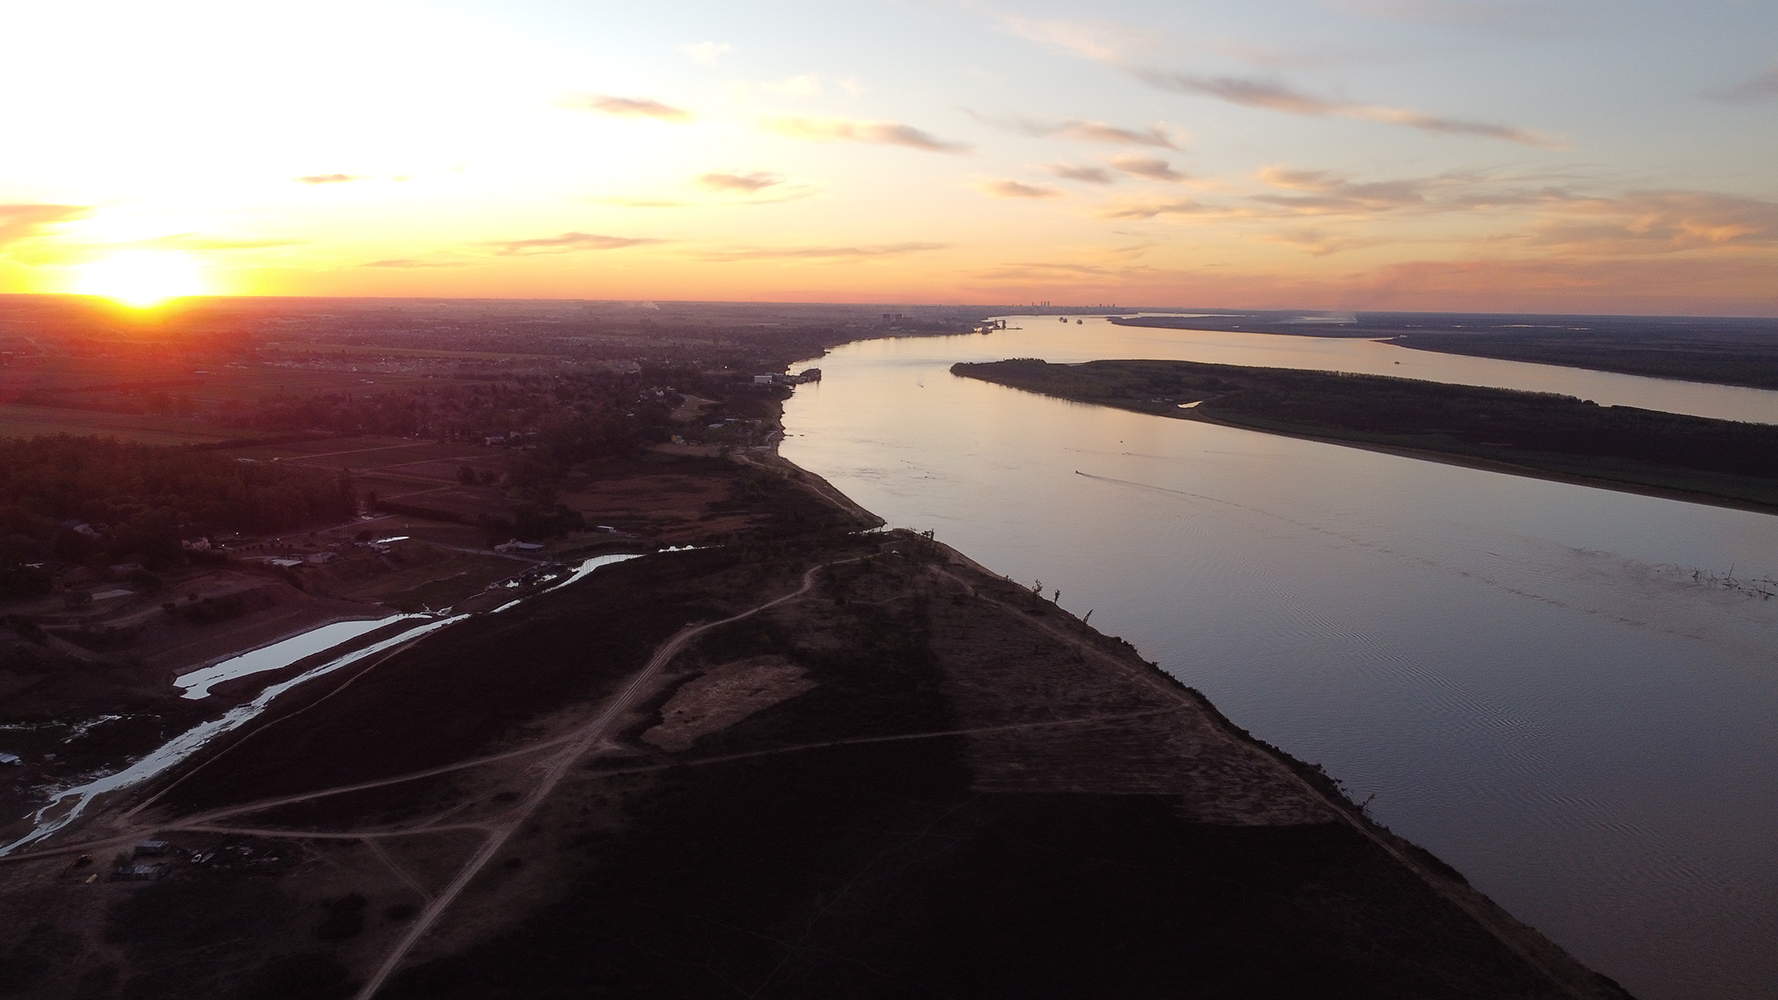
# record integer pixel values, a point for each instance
(316, 179)
(1318, 242)
(629, 107)
(1017, 189)
(1275, 96)
(706, 53)
(1124, 46)
(23, 221)
(567, 243)
(1644, 222)
(850, 130)
(1154, 135)
(1151, 209)
(1089, 175)
(1157, 135)
(1762, 87)
(1322, 190)
(820, 253)
(411, 263)
(1149, 168)
(1100, 41)
(743, 183)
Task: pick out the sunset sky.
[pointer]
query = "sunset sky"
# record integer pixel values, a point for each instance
(1551, 155)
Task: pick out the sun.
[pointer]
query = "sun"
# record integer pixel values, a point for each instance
(141, 278)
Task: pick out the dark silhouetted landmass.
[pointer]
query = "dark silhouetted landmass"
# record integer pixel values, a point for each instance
(1729, 351)
(1718, 461)
(139, 499)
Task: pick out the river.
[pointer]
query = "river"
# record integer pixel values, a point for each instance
(1567, 693)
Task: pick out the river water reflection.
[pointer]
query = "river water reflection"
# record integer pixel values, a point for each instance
(1540, 682)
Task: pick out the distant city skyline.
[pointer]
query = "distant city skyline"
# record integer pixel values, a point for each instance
(1475, 155)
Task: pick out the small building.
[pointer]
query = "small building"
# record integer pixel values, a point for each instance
(142, 873)
(517, 546)
(320, 558)
(10, 760)
(151, 849)
(195, 544)
(764, 379)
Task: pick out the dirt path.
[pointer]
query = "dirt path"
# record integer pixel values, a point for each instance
(555, 769)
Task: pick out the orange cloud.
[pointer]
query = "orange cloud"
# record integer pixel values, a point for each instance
(744, 183)
(820, 253)
(22, 222)
(1274, 96)
(849, 130)
(630, 107)
(1661, 222)
(1016, 189)
(1148, 167)
(1150, 209)
(568, 243)
(1089, 175)
(1088, 131)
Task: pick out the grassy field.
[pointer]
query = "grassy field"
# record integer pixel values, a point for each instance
(20, 420)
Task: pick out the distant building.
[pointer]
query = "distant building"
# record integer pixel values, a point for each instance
(151, 848)
(10, 759)
(517, 546)
(764, 379)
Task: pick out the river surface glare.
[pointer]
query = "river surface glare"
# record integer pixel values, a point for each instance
(1560, 690)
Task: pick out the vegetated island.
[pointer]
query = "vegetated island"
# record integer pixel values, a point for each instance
(1721, 462)
(1722, 350)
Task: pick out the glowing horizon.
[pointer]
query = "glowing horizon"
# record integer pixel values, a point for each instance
(1466, 155)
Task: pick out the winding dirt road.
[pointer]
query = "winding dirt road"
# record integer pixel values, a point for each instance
(555, 768)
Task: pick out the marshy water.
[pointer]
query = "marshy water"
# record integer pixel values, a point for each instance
(66, 805)
(1570, 694)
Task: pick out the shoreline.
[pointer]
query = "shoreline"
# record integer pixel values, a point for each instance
(1367, 441)
(1521, 938)
(1467, 461)
(1035, 706)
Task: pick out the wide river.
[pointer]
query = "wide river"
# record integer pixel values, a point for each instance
(1570, 694)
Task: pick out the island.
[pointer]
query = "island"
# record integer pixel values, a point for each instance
(1723, 462)
(1718, 349)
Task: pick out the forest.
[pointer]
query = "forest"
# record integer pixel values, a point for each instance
(139, 500)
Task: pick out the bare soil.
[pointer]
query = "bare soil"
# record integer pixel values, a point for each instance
(815, 764)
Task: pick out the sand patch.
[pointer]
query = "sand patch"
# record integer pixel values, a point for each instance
(724, 696)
